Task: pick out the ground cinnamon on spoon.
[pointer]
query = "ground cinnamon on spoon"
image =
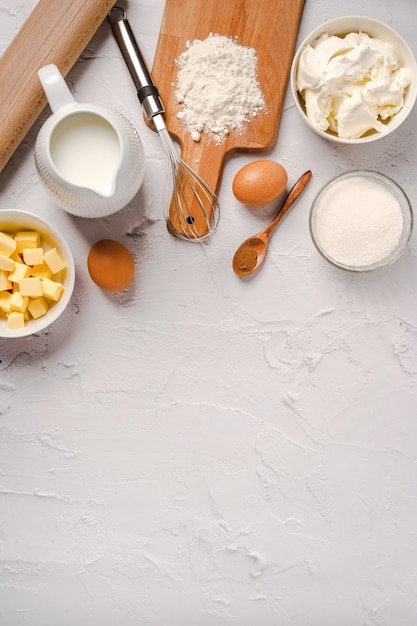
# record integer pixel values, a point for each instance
(247, 259)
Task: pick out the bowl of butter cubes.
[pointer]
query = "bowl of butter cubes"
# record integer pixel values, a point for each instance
(354, 80)
(37, 273)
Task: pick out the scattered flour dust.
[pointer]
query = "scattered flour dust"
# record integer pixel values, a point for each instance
(217, 87)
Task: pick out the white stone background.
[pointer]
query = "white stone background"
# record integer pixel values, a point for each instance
(201, 450)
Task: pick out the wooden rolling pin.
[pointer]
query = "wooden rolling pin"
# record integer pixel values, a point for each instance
(56, 31)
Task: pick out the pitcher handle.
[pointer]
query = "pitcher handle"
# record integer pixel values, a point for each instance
(55, 87)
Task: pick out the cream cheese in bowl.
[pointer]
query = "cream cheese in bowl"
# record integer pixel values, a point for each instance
(354, 79)
(361, 220)
(351, 84)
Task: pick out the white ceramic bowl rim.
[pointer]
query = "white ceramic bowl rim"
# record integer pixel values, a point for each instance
(405, 207)
(16, 219)
(374, 28)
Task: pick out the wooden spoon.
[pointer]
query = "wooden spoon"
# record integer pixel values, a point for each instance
(251, 253)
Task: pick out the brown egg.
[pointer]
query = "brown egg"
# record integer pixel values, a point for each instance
(110, 265)
(259, 182)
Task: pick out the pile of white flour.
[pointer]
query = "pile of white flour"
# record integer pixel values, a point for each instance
(217, 87)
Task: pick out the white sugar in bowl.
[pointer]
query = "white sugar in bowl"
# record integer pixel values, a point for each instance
(360, 221)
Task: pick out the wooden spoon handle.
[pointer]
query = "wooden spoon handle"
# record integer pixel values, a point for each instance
(56, 31)
(297, 189)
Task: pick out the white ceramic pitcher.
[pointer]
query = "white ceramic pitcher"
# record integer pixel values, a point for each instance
(89, 157)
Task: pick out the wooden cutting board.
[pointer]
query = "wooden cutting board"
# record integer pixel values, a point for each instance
(269, 26)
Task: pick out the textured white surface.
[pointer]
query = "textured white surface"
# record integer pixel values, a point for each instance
(200, 449)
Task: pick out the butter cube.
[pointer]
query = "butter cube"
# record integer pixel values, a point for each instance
(41, 270)
(33, 256)
(15, 320)
(5, 282)
(20, 271)
(7, 244)
(54, 260)
(37, 307)
(18, 302)
(51, 289)
(6, 263)
(30, 286)
(5, 298)
(27, 239)
(15, 256)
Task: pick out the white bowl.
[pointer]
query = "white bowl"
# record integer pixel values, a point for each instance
(355, 229)
(354, 23)
(12, 221)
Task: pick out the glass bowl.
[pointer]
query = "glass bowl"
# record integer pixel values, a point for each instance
(360, 221)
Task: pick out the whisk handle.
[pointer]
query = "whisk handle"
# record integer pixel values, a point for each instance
(147, 92)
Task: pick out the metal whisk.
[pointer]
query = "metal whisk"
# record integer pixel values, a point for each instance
(192, 210)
